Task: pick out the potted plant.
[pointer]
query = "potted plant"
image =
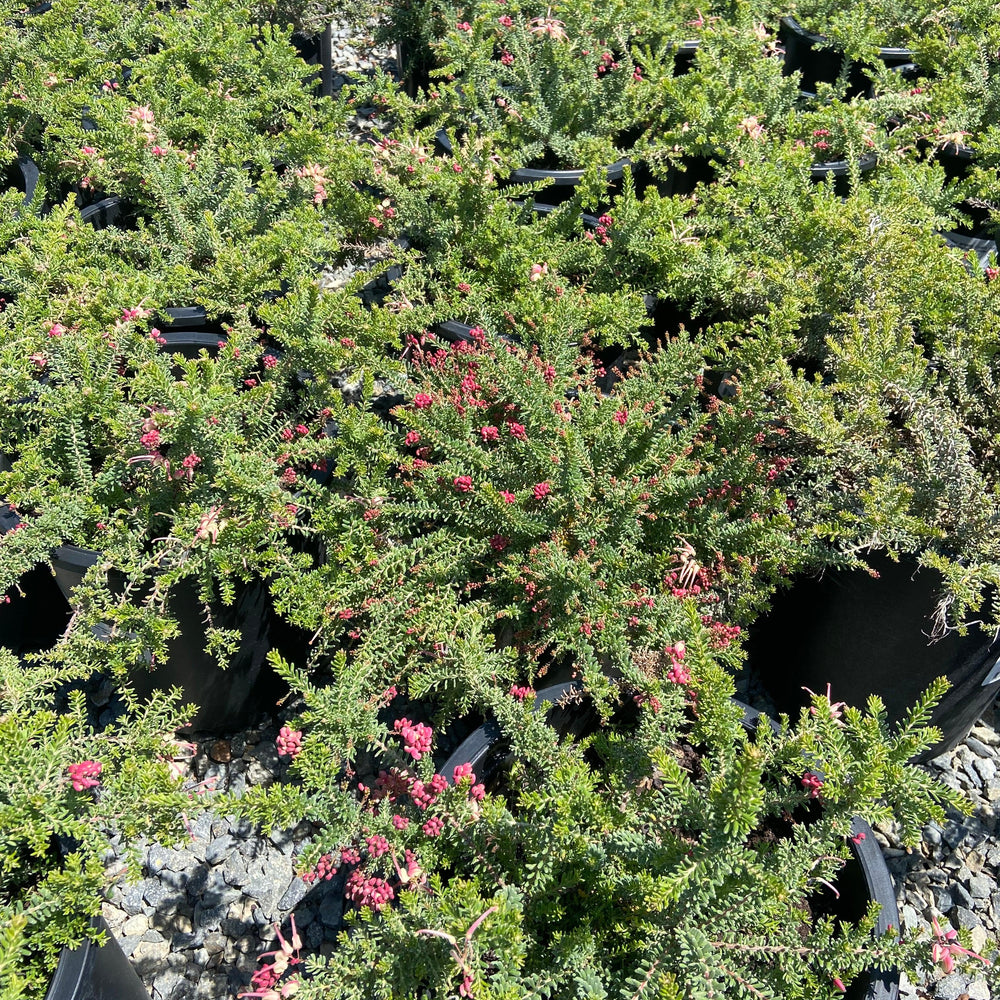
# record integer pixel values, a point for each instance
(665, 852)
(576, 521)
(878, 509)
(174, 457)
(561, 91)
(65, 791)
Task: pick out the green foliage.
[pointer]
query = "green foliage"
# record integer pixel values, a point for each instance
(640, 860)
(52, 837)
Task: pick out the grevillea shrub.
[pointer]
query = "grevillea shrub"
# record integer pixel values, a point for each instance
(64, 791)
(671, 855)
(529, 518)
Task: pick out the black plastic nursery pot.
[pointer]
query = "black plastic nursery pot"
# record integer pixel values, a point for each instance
(979, 247)
(867, 635)
(819, 61)
(840, 171)
(865, 878)
(228, 700)
(92, 972)
(32, 615)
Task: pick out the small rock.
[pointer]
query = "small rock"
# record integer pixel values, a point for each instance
(131, 901)
(980, 887)
(135, 925)
(331, 910)
(208, 918)
(218, 849)
(167, 984)
(294, 895)
(214, 943)
(157, 859)
(978, 990)
(943, 901)
(965, 918)
(962, 895)
(235, 870)
(979, 938)
(150, 951)
(950, 987)
(978, 747)
(221, 752)
(988, 736)
(158, 895)
(932, 834)
(179, 861)
(986, 770)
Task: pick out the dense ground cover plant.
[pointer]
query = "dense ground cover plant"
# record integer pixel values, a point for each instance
(671, 855)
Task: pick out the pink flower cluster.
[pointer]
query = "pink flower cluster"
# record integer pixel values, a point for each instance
(84, 775)
(289, 742)
(945, 948)
(520, 693)
(324, 871)
(812, 783)
(372, 891)
(416, 735)
(678, 673)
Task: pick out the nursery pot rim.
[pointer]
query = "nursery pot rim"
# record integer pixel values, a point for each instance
(841, 168)
(91, 970)
(567, 178)
(885, 52)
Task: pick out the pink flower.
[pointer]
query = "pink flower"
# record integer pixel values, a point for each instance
(416, 736)
(158, 151)
(457, 167)
(537, 270)
(992, 273)
(464, 288)
(191, 461)
(270, 361)
(150, 440)
(506, 21)
(508, 497)
(377, 846)
(506, 58)
(421, 401)
(289, 742)
(412, 438)
(945, 949)
(400, 822)
(463, 483)
(621, 417)
(838, 984)
(489, 433)
(499, 542)
(371, 892)
(517, 430)
(463, 771)
(433, 827)
(88, 150)
(812, 783)
(520, 693)
(142, 115)
(56, 330)
(84, 775)
(541, 490)
(464, 26)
